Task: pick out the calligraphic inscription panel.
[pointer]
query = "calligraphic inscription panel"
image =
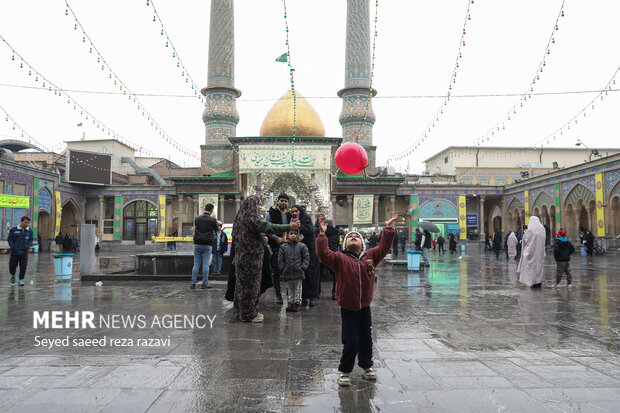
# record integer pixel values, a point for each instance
(274, 158)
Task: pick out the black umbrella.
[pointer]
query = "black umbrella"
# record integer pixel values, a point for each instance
(429, 226)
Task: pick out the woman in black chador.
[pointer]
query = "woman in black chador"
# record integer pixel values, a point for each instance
(248, 261)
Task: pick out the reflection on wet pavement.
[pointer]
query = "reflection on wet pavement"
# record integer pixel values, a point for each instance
(462, 335)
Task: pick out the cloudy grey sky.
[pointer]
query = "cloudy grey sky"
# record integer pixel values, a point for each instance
(416, 48)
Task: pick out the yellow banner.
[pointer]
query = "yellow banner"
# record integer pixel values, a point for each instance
(14, 201)
(362, 209)
(462, 217)
(526, 194)
(600, 205)
(166, 239)
(58, 213)
(162, 215)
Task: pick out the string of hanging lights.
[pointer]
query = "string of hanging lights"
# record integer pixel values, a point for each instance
(46, 83)
(188, 78)
(566, 126)
(446, 98)
(112, 76)
(8, 119)
(500, 126)
(292, 80)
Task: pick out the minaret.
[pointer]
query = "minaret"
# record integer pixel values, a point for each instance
(220, 115)
(357, 117)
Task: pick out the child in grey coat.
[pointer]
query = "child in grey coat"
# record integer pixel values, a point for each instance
(293, 261)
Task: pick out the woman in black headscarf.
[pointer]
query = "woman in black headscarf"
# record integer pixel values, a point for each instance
(312, 283)
(248, 261)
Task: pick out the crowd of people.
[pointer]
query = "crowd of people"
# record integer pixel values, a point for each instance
(287, 251)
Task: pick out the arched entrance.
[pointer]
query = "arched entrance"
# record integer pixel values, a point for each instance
(69, 218)
(43, 224)
(496, 218)
(139, 221)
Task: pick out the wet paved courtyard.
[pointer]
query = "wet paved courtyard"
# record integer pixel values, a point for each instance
(462, 335)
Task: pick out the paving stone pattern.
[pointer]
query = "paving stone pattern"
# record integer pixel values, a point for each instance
(460, 336)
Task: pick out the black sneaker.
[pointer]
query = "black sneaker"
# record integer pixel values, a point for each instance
(279, 300)
(206, 286)
(192, 286)
(312, 303)
(12, 279)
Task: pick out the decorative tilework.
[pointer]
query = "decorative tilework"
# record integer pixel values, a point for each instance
(423, 199)
(587, 181)
(543, 198)
(611, 180)
(546, 189)
(438, 208)
(518, 196)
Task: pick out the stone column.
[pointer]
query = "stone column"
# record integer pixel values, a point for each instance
(258, 187)
(180, 227)
(357, 117)
(613, 222)
(196, 211)
(392, 205)
(481, 234)
(375, 212)
(577, 216)
(101, 215)
(87, 249)
(313, 197)
(350, 210)
(220, 115)
(220, 207)
(237, 203)
(334, 206)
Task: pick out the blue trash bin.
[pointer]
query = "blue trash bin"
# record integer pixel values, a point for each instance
(413, 260)
(583, 250)
(463, 248)
(63, 266)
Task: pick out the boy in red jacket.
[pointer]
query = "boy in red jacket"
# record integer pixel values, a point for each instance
(355, 287)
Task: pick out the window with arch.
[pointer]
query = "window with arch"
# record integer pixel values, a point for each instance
(139, 220)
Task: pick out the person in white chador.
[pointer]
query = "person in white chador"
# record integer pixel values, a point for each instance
(532, 254)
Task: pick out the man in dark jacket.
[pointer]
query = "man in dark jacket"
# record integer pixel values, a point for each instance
(220, 246)
(204, 235)
(355, 271)
(395, 245)
(440, 241)
(58, 241)
(562, 250)
(67, 243)
(426, 242)
(589, 241)
(497, 243)
(277, 214)
(418, 240)
(20, 240)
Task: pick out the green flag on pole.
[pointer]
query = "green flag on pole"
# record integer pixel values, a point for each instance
(283, 58)
(79, 124)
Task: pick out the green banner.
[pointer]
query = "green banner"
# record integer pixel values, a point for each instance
(413, 210)
(558, 207)
(14, 201)
(35, 210)
(117, 217)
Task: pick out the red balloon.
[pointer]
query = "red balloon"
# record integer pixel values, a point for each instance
(351, 158)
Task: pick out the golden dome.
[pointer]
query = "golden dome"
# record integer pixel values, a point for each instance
(279, 120)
